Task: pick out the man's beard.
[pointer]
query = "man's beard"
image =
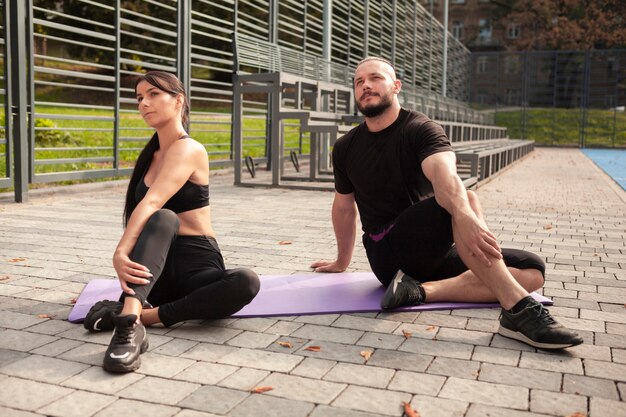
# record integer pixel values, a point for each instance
(376, 109)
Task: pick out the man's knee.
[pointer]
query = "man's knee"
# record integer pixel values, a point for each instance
(535, 279)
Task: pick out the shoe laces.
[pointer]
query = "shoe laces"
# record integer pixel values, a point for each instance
(543, 314)
(123, 335)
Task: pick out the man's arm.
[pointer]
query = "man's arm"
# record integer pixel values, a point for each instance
(344, 224)
(450, 193)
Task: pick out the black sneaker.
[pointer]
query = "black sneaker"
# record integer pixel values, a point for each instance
(128, 342)
(402, 291)
(535, 326)
(100, 316)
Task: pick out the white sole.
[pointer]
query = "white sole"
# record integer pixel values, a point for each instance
(519, 336)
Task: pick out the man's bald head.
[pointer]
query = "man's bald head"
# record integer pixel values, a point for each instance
(386, 65)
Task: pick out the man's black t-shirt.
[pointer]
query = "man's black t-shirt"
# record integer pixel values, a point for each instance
(383, 168)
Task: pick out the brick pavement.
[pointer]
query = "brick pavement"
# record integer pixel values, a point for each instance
(555, 203)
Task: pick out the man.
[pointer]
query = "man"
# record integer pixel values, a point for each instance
(424, 233)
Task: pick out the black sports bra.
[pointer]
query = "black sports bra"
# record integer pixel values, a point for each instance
(190, 196)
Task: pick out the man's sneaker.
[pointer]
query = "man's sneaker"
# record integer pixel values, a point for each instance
(535, 326)
(128, 342)
(100, 316)
(402, 291)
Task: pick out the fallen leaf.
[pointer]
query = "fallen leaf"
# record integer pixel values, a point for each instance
(285, 242)
(285, 344)
(577, 414)
(16, 259)
(73, 300)
(44, 316)
(367, 354)
(408, 411)
(547, 227)
(431, 328)
(313, 348)
(259, 390)
(4, 277)
(406, 334)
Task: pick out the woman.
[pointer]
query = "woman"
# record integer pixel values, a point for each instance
(168, 255)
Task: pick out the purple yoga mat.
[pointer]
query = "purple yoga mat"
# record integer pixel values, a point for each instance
(287, 295)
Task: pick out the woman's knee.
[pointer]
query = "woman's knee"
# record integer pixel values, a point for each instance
(163, 219)
(248, 282)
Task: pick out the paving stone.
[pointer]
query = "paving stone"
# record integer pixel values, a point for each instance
(10, 412)
(212, 399)
(244, 379)
(580, 324)
(401, 316)
(438, 407)
(400, 360)
(313, 368)
(365, 324)
(23, 341)
(605, 370)
(319, 319)
(422, 331)
(205, 373)
(464, 336)
(268, 406)
(603, 339)
(7, 356)
(529, 378)
(29, 395)
(194, 413)
(480, 410)
(139, 409)
(43, 369)
(591, 387)
(255, 324)
(496, 355)
(556, 403)
(619, 355)
(433, 318)
(57, 347)
(551, 362)
(269, 361)
(302, 389)
(18, 321)
(417, 383)
(454, 367)
(334, 351)
(77, 404)
(485, 393)
(372, 400)
(175, 347)
(437, 348)
(616, 328)
(97, 379)
(370, 376)
(163, 366)
(381, 340)
(208, 352)
(284, 328)
(204, 333)
(88, 353)
(159, 390)
(600, 407)
(482, 325)
(330, 334)
(483, 313)
(252, 340)
(326, 411)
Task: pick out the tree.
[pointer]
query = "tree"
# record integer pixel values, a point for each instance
(563, 24)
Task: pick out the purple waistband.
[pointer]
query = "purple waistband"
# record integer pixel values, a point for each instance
(379, 236)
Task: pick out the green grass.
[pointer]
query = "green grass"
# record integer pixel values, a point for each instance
(561, 127)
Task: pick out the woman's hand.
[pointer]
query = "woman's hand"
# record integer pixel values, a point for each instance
(130, 272)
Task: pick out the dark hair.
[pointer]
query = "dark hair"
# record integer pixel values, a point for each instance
(170, 84)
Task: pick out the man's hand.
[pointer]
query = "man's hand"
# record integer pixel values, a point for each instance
(474, 235)
(327, 266)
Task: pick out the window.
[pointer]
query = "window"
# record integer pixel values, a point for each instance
(513, 31)
(457, 29)
(481, 65)
(484, 34)
(458, 2)
(511, 64)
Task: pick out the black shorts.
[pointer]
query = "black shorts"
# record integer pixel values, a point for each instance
(420, 243)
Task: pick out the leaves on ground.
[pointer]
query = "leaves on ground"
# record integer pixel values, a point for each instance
(367, 354)
(408, 411)
(259, 390)
(313, 348)
(547, 227)
(285, 344)
(74, 300)
(431, 328)
(577, 414)
(285, 242)
(44, 316)
(406, 334)
(4, 277)
(16, 259)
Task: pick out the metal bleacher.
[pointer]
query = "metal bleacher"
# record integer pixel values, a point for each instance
(316, 96)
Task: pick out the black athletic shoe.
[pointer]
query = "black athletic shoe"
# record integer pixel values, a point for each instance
(100, 316)
(402, 291)
(535, 326)
(128, 342)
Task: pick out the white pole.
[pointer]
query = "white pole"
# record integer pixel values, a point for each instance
(445, 48)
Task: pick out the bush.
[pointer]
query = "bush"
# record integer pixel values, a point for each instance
(50, 136)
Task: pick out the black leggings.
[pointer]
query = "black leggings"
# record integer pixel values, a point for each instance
(189, 278)
(420, 243)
